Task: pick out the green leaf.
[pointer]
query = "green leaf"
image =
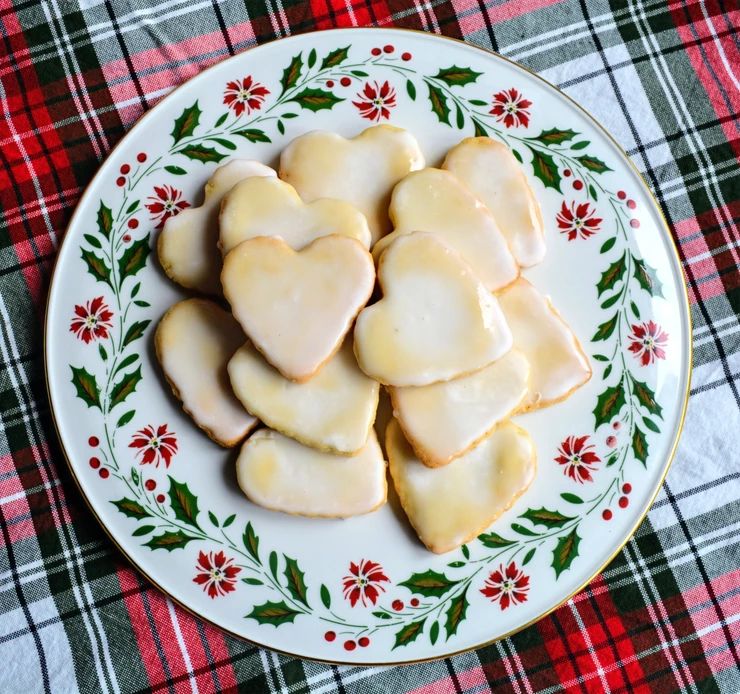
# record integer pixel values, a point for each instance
(522, 530)
(226, 144)
(136, 331)
(542, 516)
(635, 310)
(169, 540)
(457, 76)
(612, 275)
(648, 278)
(609, 404)
(130, 359)
(186, 122)
(592, 191)
(429, 583)
(494, 541)
(175, 170)
(580, 145)
(465, 551)
(253, 581)
(132, 207)
(96, 266)
(105, 220)
(646, 397)
(312, 58)
(281, 127)
(273, 564)
(136, 289)
(359, 73)
(460, 118)
(612, 459)
(253, 135)
(316, 99)
(477, 102)
(592, 163)
(221, 120)
(571, 498)
(381, 615)
(86, 386)
(411, 90)
(611, 300)
(229, 520)
(434, 633)
(134, 475)
(605, 329)
(125, 418)
(201, 153)
(565, 552)
(528, 556)
(212, 518)
(336, 57)
(101, 351)
(607, 371)
(92, 240)
(608, 245)
(252, 542)
(183, 502)
(326, 597)
(517, 156)
(456, 564)
(408, 633)
(134, 258)
(142, 530)
(439, 103)
(131, 508)
(288, 116)
(640, 445)
(480, 131)
(142, 304)
(124, 387)
(456, 612)
(275, 613)
(295, 580)
(600, 357)
(545, 169)
(554, 136)
(650, 424)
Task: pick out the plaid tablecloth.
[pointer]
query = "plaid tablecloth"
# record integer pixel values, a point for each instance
(663, 77)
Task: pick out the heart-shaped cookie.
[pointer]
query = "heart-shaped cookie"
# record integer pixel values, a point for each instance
(558, 364)
(436, 321)
(491, 172)
(283, 475)
(271, 207)
(333, 411)
(297, 306)
(194, 341)
(453, 504)
(361, 171)
(435, 201)
(187, 245)
(444, 420)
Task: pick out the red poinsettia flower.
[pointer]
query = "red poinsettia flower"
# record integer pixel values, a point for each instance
(578, 221)
(245, 95)
(507, 586)
(647, 342)
(578, 458)
(510, 108)
(165, 203)
(376, 101)
(92, 321)
(154, 445)
(216, 573)
(364, 582)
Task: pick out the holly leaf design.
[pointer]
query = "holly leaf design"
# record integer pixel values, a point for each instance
(291, 73)
(456, 612)
(646, 397)
(554, 136)
(592, 163)
(125, 387)
(253, 135)
(457, 76)
(201, 153)
(186, 122)
(134, 258)
(86, 386)
(542, 516)
(136, 331)
(612, 275)
(131, 508)
(640, 445)
(494, 541)
(252, 542)
(295, 580)
(609, 403)
(545, 169)
(439, 103)
(429, 583)
(605, 329)
(96, 266)
(647, 278)
(408, 633)
(275, 613)
(565, 552)
(105, 220)
(169, 540)
(183, 502)
(316, 99)
(336, 57)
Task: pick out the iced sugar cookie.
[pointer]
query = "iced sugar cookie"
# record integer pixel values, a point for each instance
(444, 420)
(271, 207)
(435, 201)
(297, 306)
(436, 320)
(194, 341)
(361, 171)
(187, 246)
(557, 363)
(283, 475)
(491, 172)
(332, 411)
(453, 504)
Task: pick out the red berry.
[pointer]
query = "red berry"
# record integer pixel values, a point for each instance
(611, 441)
(621, 195)
(94, 441)
(376, 51)
(364, 641)
(567, 173)
(406, 57)
(120, 181)
(141, 157)
(345, 81)
(634, 223)
(133, 223)
(617, 426)
(330, 83)
(623, 502)
(104, 473)
(627, 488)
(150, 485)
(94, 463)
(606, 514)
(578, 185)
(388, 48)
(160, 498)
(397, 605)
(414, 602)
(125, 168)
(330, 635)
(631, 204)
(349, 645)
(126, 238)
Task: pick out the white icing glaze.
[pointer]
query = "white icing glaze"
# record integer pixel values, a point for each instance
(361, 171)
(453, 504)
(194, 341)
(187, 244)
(436, 321)
(435, 201)
(281, 474)
(491, 172)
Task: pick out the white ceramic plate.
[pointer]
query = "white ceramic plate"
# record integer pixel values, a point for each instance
(290, 583)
